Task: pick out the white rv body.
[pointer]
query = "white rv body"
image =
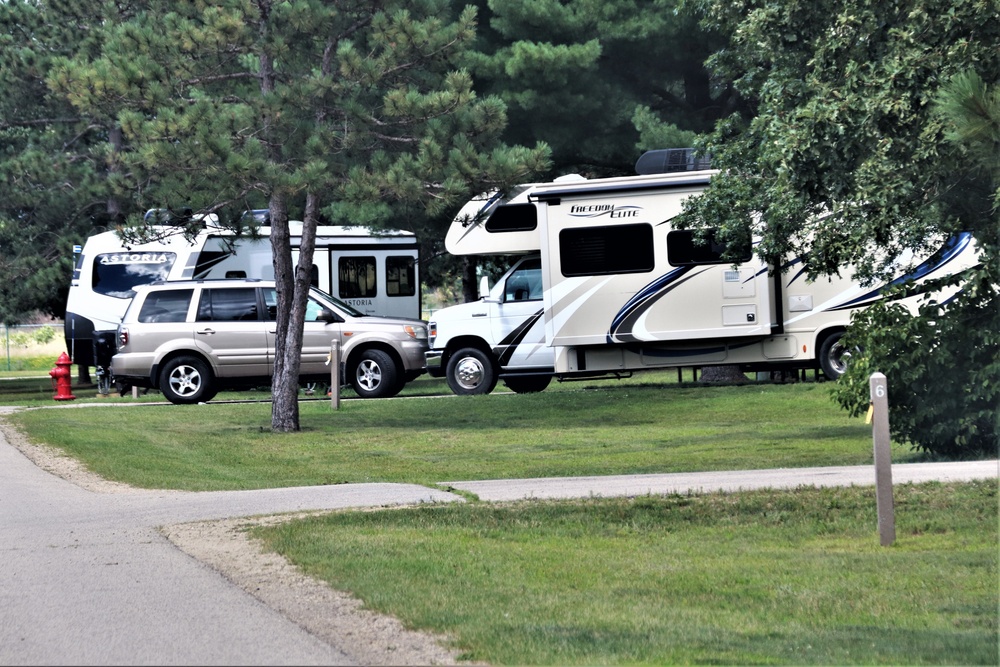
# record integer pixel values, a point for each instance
(376, 272)
(619, 290)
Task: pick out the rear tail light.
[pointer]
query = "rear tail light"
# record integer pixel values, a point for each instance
(122, 337)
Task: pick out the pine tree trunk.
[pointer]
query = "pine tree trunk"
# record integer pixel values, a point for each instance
(470, 287)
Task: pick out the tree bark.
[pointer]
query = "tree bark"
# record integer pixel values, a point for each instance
(470, 286)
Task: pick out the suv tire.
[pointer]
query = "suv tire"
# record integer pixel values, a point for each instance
(375, 375)
(185, 380)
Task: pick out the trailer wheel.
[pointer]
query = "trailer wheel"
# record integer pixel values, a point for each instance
(187, 380)
(834, 356)
(527, 384)
(471, 371)
(375, 375)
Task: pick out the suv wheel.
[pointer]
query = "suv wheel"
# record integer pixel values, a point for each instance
(375, 375)
(187, 380)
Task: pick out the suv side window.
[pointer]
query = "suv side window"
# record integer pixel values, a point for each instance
(165, 306)
(228, 305)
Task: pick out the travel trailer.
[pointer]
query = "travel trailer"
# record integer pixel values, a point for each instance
(606, 286)
(376, 272)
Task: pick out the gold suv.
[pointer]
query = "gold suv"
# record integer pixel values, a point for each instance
(191, 339)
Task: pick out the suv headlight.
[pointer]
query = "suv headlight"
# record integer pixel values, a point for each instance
(417, 332)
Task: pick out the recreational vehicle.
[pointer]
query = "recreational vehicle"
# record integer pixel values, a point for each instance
(606, 286)
(375, 272)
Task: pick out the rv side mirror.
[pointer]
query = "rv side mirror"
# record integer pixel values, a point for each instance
(484, 287)
(328, 316)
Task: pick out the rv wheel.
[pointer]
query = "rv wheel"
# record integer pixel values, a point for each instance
(527, 384)
(834, 356)
(471, 371)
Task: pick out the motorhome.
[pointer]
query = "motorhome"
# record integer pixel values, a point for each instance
(605, 285)
(376, 272)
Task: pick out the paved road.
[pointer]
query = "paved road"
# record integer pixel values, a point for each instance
(86, 578)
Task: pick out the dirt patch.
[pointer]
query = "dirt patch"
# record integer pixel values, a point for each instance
(336, 617)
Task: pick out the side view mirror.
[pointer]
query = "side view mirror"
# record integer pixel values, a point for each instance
(328, 316)
(484, 287)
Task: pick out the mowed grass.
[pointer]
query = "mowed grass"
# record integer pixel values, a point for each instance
(601, 429)
(763, 577)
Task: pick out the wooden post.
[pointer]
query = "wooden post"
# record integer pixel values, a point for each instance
(334, 375)
(883, 459)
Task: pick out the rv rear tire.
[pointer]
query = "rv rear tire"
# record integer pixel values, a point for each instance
(471, 371)
(834, 356)
(527, 384)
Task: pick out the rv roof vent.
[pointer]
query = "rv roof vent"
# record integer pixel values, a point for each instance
(666, 160)
(569, 178)
(168, 216)
(261, 216)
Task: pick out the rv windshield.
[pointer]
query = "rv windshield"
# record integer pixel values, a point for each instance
(115, 274)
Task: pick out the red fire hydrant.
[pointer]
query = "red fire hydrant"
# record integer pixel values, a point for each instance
(61, 378)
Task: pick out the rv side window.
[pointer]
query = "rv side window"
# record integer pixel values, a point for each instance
(165, 306)
(399, 276)
(525, 284)
(513, 218)
(228, 305)
(115, 274)
(589, 251)
(357, 277)
(684, 248)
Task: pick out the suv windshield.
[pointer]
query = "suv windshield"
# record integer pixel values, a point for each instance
(346, 307)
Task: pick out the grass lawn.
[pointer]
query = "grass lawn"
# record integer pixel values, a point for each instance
(601, 429)
(765, 577)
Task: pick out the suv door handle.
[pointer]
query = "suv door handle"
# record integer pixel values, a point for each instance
(205, 332)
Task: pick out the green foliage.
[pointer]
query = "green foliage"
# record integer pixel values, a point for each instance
(870, 137)
(582, 75)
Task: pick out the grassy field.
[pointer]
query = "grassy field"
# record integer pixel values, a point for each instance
(768, 577)
(578, 429)
(765, 577)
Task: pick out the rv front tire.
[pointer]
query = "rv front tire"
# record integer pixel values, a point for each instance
(471, 371)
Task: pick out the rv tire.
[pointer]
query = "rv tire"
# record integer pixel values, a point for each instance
(834, 356)
(527, 384)
(471, 371)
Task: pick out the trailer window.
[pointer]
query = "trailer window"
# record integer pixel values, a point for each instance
(589, 251)
(115, 274)
(357, 278)
(686, 248)
(513, 218)
(399, 276)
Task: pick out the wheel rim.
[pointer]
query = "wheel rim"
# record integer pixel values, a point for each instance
(185, 380)
(840, 355)
(369, 375)
(469, 373)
